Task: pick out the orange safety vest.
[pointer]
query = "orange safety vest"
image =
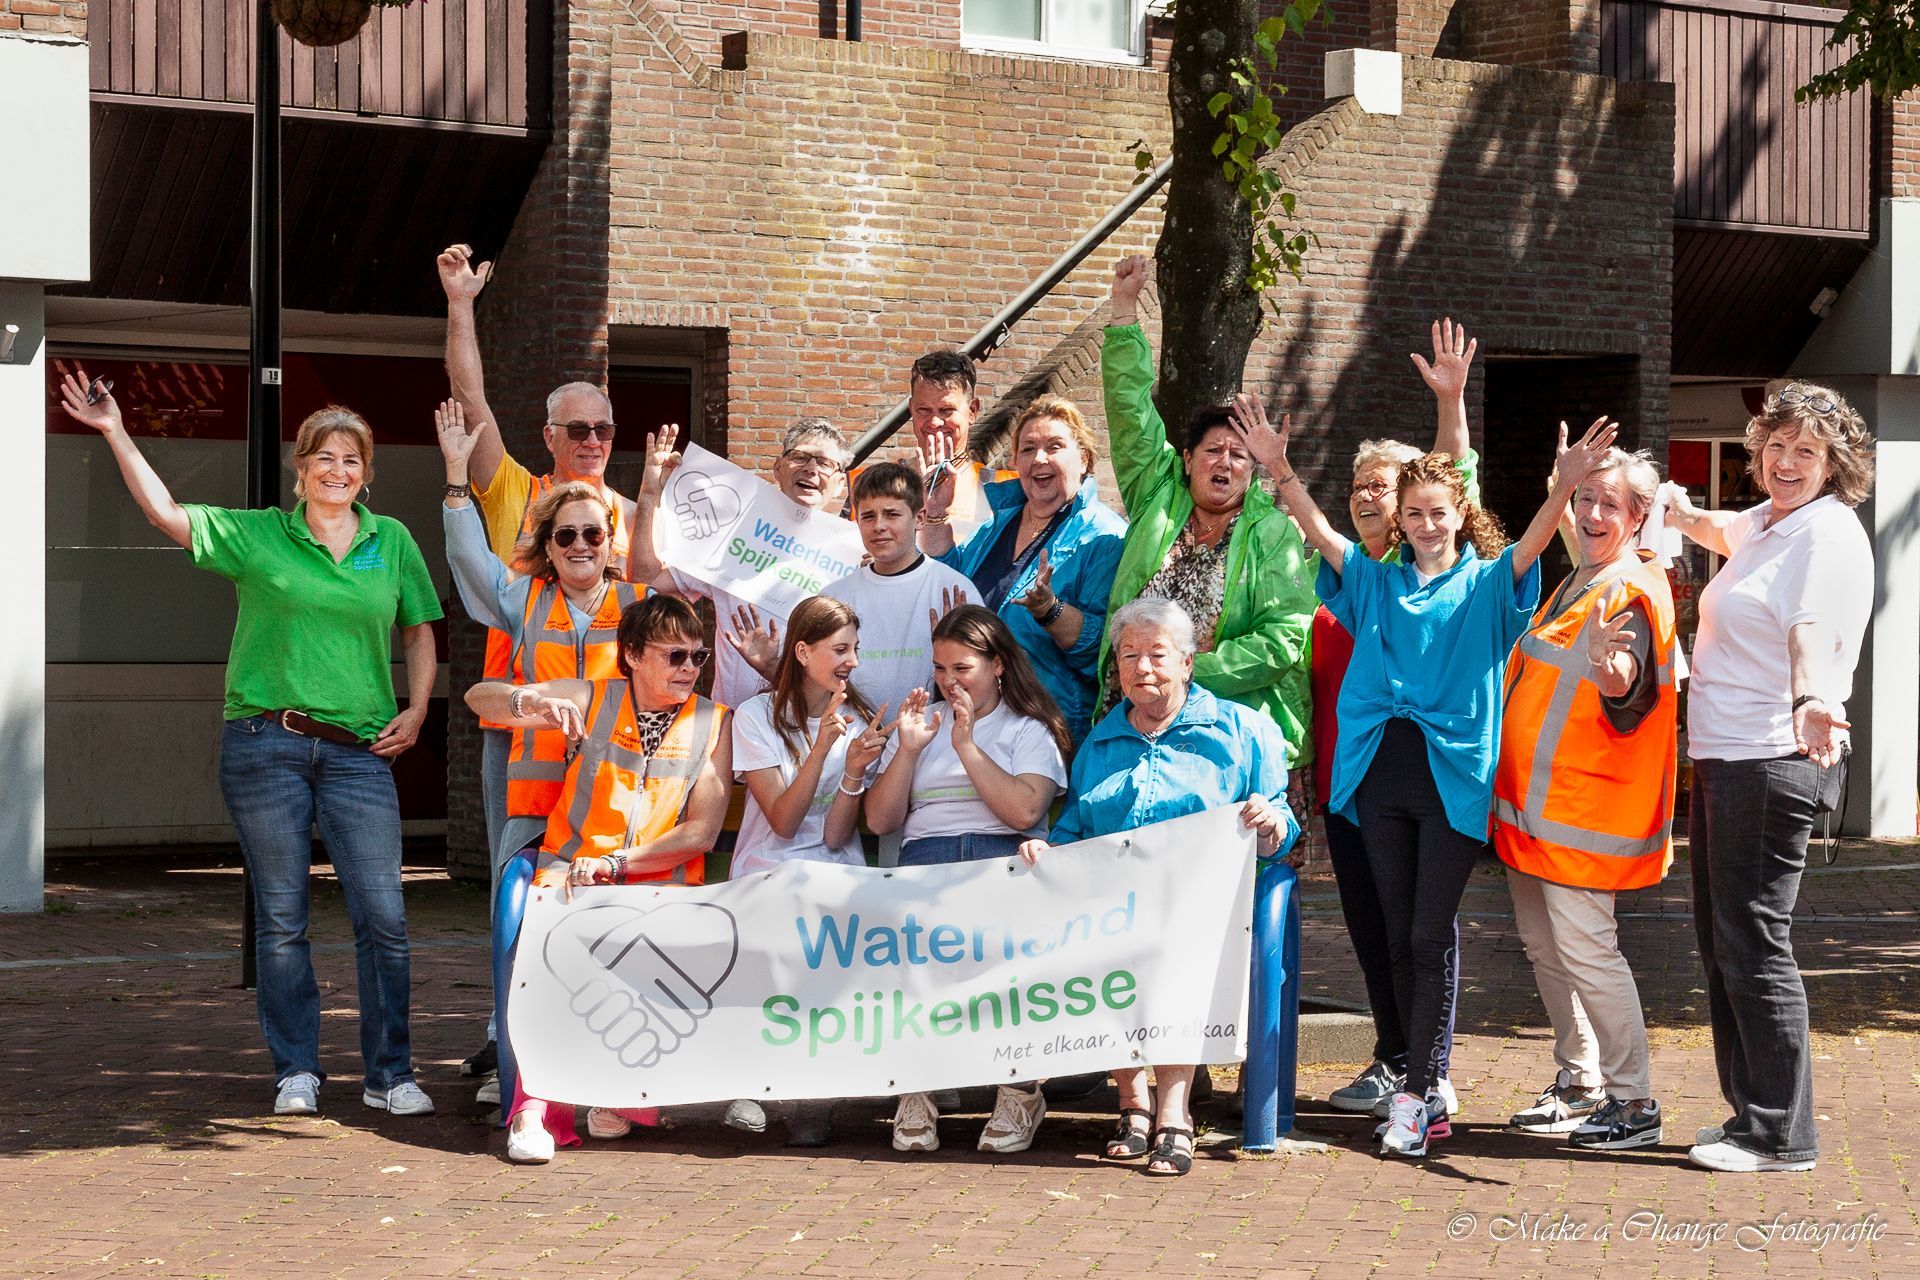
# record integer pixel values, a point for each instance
(1575, 801)
(496, 665)
(615, 795)
(548, 648)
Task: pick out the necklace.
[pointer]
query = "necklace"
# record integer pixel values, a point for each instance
(1197, 530)
(599, 597)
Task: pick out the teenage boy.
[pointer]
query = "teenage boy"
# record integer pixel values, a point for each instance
(901, 592)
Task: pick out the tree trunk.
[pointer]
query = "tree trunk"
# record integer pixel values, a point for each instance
(1208, 315)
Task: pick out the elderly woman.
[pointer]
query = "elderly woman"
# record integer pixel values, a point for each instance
(623, 816)
(1169, 749)
(1203, 535)
(1045, 561)
(311, 726)
(1780, 631)
(1583, 803)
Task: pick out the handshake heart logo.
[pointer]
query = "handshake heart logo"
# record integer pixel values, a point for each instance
(703, 507)
(643, 980)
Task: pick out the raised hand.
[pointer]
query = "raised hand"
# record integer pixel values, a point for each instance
(935, 463)
(1267, 444)
(661, 459)
(868, 744)
(1452, 358)
(103, 415)
(1612, 633)
(961, 703)
(456, 442)
(458, 276)
(915, 727)
(1039, 598)
(951, 598)
(759, 645)
(1130, 276)
(833, 725)
(1580, 458)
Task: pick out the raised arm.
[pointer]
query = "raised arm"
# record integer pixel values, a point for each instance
(1142, 456)
(463, 282)
(644, 564)
(1446, 377)
(1269, 448)
(1708, 528)
(91, 404)
(1575, 465)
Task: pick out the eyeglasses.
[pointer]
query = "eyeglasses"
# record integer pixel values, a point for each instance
(678, 657)
(563, 536)
(578, 431)
(1375, 489)
(1794, 393)
(818, 461)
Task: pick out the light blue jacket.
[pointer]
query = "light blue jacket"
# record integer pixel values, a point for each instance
(1084, 553)
(1215, 752)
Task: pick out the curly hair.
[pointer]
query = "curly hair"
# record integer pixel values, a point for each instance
(1479, 525)
(530, 553)
(1850, 448)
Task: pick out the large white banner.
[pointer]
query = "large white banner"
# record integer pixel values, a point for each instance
(730, 529)
(820, 981)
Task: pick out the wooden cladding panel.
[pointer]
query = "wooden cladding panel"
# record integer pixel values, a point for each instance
(454, 60)
(1745, 152)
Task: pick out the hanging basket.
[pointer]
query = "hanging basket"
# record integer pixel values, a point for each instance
(322, 24)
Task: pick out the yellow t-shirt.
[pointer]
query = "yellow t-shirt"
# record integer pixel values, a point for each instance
(503, 506)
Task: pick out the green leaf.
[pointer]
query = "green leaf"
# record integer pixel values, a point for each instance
(1218, 102)
(1143, 159)
(1222, 142)
(1286, 202)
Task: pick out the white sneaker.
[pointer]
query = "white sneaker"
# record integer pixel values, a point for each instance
(488, 1095)
(528, 1141)
(916, 1125)
(1710, 1135)
(1016, 1118)
(745, 1115)
(1728, 1158)
(299, 1095)
(1442, 1086)
(607, 1124)
(1406, 1133)
(403, 1099)
(1562, 1106)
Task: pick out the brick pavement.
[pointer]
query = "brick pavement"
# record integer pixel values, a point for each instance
(132, 1139)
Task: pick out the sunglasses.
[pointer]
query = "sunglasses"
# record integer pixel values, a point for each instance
(1796, 394)
(680, 657)
(578, 431)
(99, 389)
(566, 533)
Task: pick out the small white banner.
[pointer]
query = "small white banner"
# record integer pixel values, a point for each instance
(730, 529)
(822, 981)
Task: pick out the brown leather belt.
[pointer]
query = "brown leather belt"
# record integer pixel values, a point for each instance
(305, 725)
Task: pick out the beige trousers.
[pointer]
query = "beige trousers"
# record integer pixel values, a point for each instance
(1599, 1030)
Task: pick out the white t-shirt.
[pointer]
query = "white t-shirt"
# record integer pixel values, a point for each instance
(1813, 565)
(758, 745)
(896, 640)
(734, 679)
(944, 801)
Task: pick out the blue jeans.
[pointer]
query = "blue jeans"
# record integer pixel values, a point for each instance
(278, 786)
(938, 851)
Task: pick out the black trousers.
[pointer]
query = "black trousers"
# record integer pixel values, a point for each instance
(1420, 867)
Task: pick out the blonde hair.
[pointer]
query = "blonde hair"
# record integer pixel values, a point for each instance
(1642, 478)
(530, 553)
(1850, 448)
(1374, 453)
(322, 425)
(1063, 409)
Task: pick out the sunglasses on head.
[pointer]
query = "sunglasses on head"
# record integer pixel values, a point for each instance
(679, 657)
(1794, 393)
(566, 533)
(578, 431)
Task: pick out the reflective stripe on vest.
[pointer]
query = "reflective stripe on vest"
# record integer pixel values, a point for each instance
(548, 648)
(1575, 761)
(614, 796)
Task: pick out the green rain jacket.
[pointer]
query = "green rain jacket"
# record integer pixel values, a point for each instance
(1261, 648)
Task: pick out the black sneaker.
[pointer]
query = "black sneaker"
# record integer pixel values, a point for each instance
(483, 1063)
(1618, 1125)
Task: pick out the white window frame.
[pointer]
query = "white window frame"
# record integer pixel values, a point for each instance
(1136, 55)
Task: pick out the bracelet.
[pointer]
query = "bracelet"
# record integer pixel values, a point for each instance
(843, 788)
(460, 491)
(514, 707)
(1805, 698)
(618, 862)
(927, 519)
(1052, 615)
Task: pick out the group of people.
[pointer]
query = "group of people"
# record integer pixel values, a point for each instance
(1051, 671)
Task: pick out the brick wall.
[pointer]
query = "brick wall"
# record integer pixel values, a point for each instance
(1902, 147)
(1550, 35)
(1532, 206)
(53, 17)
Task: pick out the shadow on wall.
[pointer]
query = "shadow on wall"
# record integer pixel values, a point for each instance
(22, 797)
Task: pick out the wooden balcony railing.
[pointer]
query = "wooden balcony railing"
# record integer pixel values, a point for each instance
(478, 63)
(1746, 154)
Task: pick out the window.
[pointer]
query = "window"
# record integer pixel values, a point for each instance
(1104, 30)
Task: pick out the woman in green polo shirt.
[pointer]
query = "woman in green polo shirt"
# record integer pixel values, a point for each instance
(312, 726)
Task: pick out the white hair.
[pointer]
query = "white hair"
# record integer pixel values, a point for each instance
(1161, 615)
(1640, 473)
(559, 393)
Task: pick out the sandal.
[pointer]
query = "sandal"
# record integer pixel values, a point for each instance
(1128, 1142)
(1166, 1150)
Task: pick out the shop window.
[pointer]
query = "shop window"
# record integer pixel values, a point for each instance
(1099, 30)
